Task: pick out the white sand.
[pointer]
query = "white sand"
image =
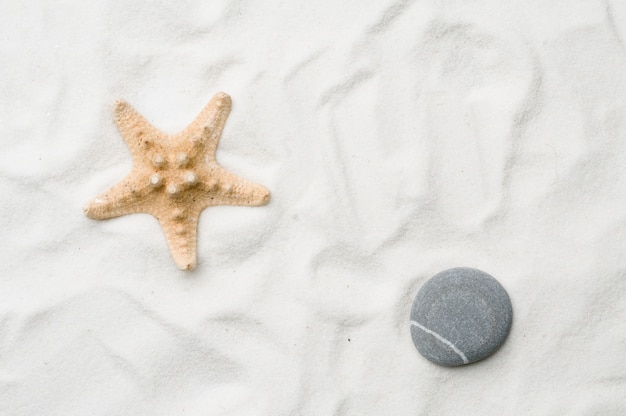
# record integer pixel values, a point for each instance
(398, 139)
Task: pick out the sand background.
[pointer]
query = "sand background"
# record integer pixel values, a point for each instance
(398, 139)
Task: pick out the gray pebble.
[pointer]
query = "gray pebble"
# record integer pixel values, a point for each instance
(460, 316)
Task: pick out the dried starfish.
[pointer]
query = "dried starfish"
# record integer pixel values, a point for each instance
(175, 177)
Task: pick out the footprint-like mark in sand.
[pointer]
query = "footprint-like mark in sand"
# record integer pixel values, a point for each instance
(474, 86)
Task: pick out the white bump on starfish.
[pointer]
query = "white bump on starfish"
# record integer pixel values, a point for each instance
(196, 140)
(212, 184)
(191, 178)
(156, 180)
(178, 214)
(172, 189)
(182, 159)
(158, 161)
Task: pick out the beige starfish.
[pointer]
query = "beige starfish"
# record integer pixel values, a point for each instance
(175, 177)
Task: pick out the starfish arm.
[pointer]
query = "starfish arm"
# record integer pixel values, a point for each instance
(127, 197)
(231, 189)
(136, 131)
(181, 239)
(209, 124)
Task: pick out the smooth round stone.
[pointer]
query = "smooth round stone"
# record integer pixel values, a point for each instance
(460, 316)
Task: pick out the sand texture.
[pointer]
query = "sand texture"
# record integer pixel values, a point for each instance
(398, 139)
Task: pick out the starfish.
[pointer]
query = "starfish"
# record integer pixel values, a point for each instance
(174, 178)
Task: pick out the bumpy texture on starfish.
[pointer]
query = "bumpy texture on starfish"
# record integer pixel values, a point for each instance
(175, 177)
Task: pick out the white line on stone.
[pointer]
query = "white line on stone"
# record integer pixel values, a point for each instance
(442, 339)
